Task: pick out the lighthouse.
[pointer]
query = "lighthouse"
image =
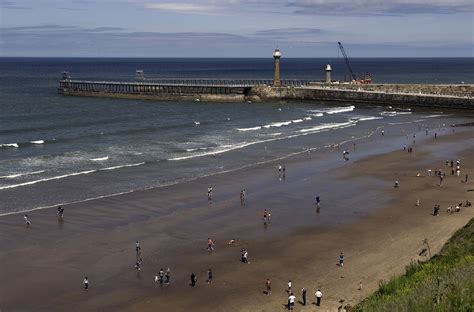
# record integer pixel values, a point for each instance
(276, 68)
(328, 73)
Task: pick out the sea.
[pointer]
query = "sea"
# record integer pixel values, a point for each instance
(57, 149)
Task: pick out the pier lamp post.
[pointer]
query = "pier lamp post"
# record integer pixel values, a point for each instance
(328, 73)
(276, 68)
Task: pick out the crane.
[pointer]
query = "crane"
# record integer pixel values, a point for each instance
(348, 64)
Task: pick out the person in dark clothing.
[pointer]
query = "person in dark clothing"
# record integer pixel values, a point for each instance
(303, 296)
(193, 280)
(209, 276)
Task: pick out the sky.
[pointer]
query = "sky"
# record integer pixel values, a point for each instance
(236, 28)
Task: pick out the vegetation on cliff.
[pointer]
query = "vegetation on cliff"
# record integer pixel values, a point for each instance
(444, 283)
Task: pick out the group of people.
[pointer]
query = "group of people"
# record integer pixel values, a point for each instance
(60, 214)
(292, 298)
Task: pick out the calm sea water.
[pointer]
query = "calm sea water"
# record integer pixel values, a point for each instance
(56, 149)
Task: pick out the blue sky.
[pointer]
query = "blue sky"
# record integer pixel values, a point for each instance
(236, 28)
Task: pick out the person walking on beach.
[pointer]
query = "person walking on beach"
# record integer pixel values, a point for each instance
(60, 212)
(303, 295)
(86, 283)
(209, 193)
(289, 287)
(137, 266)
(27, 221)
(242, 197)
(162, 276)
(265, 216)
(209, 276)
(167, 276)
(465, 180)
(210, 244)
(291, 301)
(341, 260)
(318, 200)
(138, 249)
(268, 285)
(193, 280)
(244, 255)
(318, 295)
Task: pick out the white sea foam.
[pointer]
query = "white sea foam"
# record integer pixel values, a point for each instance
(327, 126)
(122, 166)
(16, 175)
(100, 158)
(9, 145)
(434, 116)
(67, 175)
(307, 118)
(37, 142)
(275, 134)
(393, 113)
(338, 110)
(47, 179)
(297, 121)
(250, 129)
(197, 123)
(278, 124)
(365, 118)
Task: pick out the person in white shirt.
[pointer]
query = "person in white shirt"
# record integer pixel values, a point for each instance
(291, 301)
(86, 283)
(27, 221)
(289, 286)
(318, 295)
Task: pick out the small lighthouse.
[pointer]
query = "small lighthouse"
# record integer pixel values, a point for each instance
(328, 73)
(276, 68)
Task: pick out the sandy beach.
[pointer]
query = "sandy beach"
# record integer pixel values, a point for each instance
(377, 227)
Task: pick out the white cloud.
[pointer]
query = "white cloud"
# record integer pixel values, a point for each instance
(184, 7)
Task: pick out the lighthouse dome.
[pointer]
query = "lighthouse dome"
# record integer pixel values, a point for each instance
(277, 53)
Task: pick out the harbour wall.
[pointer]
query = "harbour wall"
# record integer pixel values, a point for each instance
(417, 95)
(377, 97)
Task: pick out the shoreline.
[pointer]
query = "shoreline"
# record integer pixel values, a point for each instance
(167, 230)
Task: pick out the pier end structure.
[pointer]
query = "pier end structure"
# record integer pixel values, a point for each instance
(276, 68)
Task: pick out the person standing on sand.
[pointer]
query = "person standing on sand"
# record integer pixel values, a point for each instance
(465, 180)
(86, 283)
(289, 286)
(162, 276)
(303, 295)
(318, 295)
(193, 280)
(291, 302)
(60, 212)
(138, 249)
(209, 276)
(27, 221)
(167, 276)
(341, 260)
(210, 244)
(209, 193)
(268, 285)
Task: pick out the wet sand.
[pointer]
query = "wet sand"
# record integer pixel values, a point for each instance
(378, 227)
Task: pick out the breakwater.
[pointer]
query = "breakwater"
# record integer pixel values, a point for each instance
(356, 94)
(442, 96)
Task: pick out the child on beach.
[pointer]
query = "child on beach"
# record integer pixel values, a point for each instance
(27, 221)
(268, 285)
(162, 275)
(210, 245)
(86, 283)
(60, 212)
(341, 260)
(209, 193)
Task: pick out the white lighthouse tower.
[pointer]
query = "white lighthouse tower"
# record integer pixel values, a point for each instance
(328, 73)
(276, 68)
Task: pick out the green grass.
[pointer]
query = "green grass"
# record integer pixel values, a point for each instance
(444, 283)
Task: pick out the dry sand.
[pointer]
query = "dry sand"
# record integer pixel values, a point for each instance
(378, 227)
